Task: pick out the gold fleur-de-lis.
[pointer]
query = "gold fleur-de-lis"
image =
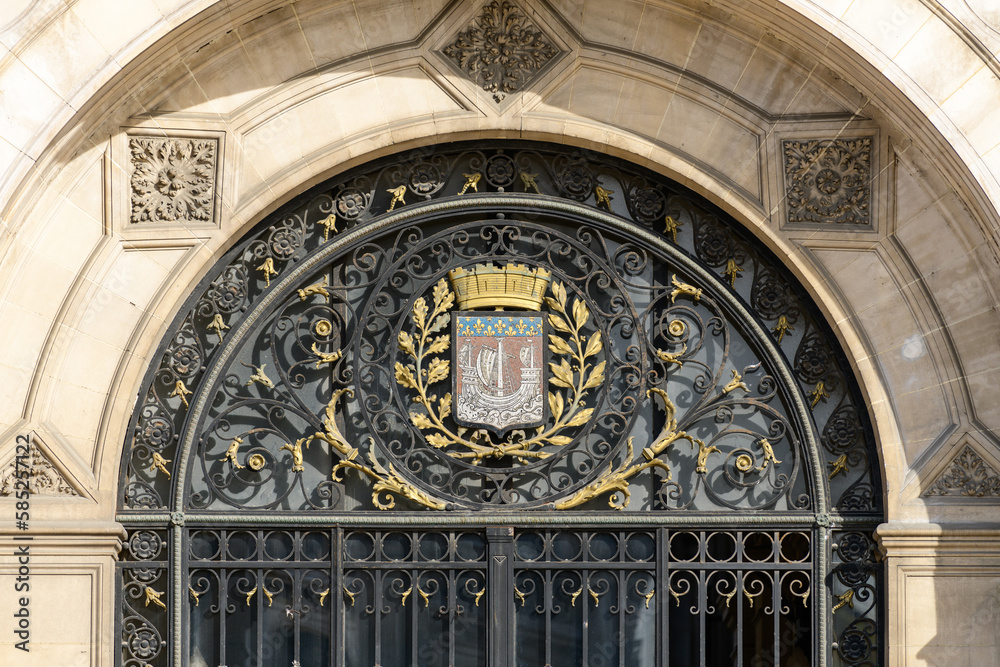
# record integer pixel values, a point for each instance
(182, 391)
(819, 394)
(732, 271)
(160, 463)
(838, 466)
(397, 196)
(471, 181)
(268, 268)
(218, 325)
(670, 226)
(154, 597)
(329, 225)
(603, 196)
(846, 599)
(782, 327)
(529, 182)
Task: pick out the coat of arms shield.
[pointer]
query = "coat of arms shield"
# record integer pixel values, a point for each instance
(500, 380)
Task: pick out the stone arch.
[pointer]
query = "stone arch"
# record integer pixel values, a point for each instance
(85, 298)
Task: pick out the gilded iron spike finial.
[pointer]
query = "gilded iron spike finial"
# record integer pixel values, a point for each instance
(649, 597)
(685, 289)
(482, 592)
(749, 597)
(782, 327)
(268, 268)
(519, 595)
(406, 594)
(819, 393)
(349, 595)
(838, 466)
(230, 456)
(329, 225)
(194, 595)
(471, 181)
(322, 597)
(528, 180)
(670, 226)
(268, 595)
(490, 286)
(182, 391)
(736, 383)
(258, 375)
(397, 196)
(603, 196)
(317, 288)
(218, 325)
(575, 595)
(733, 270)
(160, 463)
(250, 594)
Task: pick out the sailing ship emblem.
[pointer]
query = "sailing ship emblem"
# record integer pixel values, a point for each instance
(500, 359)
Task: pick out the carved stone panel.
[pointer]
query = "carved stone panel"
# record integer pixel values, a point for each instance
(173, 179)
(501, 50)
(828, 181)
(967, 475)
(35, 472)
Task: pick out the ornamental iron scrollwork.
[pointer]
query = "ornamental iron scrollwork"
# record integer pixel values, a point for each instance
(645, 372)
(357, 200)
(674, 367)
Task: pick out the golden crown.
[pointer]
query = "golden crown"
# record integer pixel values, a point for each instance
(489, 286)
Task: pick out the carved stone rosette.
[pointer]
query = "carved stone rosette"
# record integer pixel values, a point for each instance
(828, 181)
(173, 179)
(501, 50)
(968, 475)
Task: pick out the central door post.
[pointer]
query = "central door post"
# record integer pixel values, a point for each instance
(500, 638)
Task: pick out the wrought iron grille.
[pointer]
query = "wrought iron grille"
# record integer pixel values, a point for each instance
(342, 371)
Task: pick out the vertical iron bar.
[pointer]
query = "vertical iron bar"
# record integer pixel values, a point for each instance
(415, 599)
(223, 605)
(297, 602)
(337, 610)
(584, 613)
(702, 597)
(452, 604)
(739, 613)
(662, 595)
(259, 601)
(377, 600)
(500, 552)
(548, 597)
(702, 606)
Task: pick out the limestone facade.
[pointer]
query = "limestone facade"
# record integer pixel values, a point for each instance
(858, 139)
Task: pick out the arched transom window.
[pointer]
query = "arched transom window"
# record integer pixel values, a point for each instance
(499, 404)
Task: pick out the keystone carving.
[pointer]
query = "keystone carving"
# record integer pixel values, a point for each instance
(501, 50)
(828, 181)
(173, 179)
(968, 475)
(39, 475)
